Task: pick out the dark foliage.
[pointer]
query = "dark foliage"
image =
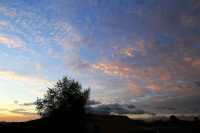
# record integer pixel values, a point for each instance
(66, 98)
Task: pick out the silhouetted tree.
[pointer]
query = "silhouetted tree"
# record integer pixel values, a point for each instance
(173, 118)
(66, 98)
(196, 119)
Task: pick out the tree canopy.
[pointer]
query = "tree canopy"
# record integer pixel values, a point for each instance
(66, 97)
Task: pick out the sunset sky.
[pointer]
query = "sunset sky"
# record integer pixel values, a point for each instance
(144, 53)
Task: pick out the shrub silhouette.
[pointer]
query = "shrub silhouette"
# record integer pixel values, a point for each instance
(173, 118)
(66, 98)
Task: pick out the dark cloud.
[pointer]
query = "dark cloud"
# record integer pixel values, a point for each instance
(93, 102)
(24, 104)
(116, 109)
(27, 104)
(173, 104)
(16, 102)
(196, 5)
(197, 83)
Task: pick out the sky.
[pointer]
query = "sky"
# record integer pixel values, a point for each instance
(141, 54)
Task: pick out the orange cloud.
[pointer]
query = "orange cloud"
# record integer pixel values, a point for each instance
(158, 79)
(120, 69)
(154, 86)
(165, 76)
(113, 69)
(158, 72)
(196, 63)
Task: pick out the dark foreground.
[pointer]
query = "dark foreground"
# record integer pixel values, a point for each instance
(102, 124)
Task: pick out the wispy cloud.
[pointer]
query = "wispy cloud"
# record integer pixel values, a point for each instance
(113, 68)
(24, 104)
(12, 42)
(22, 112)
(7, 11)
(3, 24)
(10, 75)
(66, 35)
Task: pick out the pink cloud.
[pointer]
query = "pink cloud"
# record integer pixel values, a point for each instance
(136, 89)
(12, 42)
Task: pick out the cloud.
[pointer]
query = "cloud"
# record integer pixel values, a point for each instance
(3, 24)
(113, 68)
(172, 104)
(197, 83)
(22, 112)
(189, 21)
(116, 108)
(127, 52)
(10, 75)
(141, 47)
(154, 86)
(195, 4)
(3, 109)
(70, 39)
(169, 77)
(196, 63)
(12, 42)
(137, 89)
(165, 55)
(7, 11)
(66, 35)
(53, 53)
(27, 104)
(93, 102)
(125, 70)
(24, 104)
(16, 101)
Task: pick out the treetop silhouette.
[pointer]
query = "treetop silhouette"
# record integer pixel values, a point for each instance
(66, 98)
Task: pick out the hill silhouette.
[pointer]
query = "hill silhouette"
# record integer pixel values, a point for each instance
(103, 124)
